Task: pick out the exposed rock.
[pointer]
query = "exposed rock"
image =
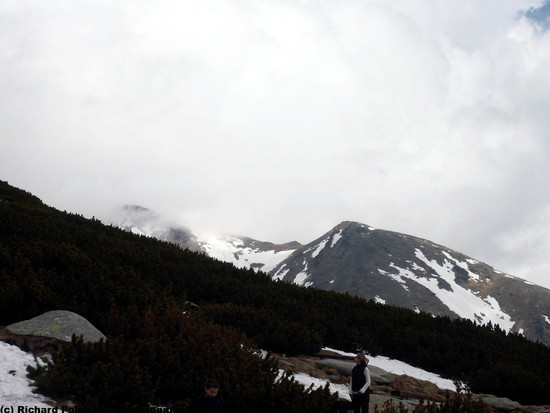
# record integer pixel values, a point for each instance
(407, 386)
(305, 366)
(341, 366)
(34, 344)
(379, 401)
(498, 402)
(402, 391)
(57, 324)
(318, 374)
(379, 376)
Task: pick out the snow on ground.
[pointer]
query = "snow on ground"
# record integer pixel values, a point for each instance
(462, 301)
(15, 387)
(319, 248)
(281, 273)
(341, 389)
(389, 365)
(233, 250)
(335, 238)
(459, 300)
(385, 363)
(379, 300)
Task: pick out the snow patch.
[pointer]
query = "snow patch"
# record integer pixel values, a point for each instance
(397, 277)
(302, 276)
(460, 300)
(319, 248)
(233, 250)
(15, 388)
(335, 238)
(399, 368)
(463, 265)
(281, 273)
(546, 319)
(307, 381)
(379, 300)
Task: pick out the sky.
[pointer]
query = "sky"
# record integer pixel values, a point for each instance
(278, 119)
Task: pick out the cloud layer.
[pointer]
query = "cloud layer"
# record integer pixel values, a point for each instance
(279, 119)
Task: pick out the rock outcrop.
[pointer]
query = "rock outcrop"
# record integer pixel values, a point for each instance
(58, 324)
(388, 387)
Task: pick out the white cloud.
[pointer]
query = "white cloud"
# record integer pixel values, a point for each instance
(279, 119)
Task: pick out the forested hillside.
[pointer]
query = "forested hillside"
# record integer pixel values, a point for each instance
(137, 290)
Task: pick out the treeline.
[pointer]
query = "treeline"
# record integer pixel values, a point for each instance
(134, 289)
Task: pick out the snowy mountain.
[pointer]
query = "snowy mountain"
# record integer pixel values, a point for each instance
(143, 221)
(406, 271)
(243, 252)
(388, 267)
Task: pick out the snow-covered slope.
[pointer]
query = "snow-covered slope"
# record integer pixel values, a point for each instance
(15, 388)
(464, 302)
(244, 252)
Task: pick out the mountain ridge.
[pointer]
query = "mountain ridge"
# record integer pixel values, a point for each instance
(394, 269)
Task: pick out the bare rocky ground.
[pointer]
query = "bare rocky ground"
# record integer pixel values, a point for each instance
(386, 386)
(33, 344)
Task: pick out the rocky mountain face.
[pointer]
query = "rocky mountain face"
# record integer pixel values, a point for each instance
(406, 271)
(388, 267)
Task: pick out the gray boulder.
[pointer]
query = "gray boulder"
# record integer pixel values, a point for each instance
(501, 403)
(58, 324)
(378, 375)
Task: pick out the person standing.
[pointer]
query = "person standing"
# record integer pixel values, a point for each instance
(360, 385)
(207, 401)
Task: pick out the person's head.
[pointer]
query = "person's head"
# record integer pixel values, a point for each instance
(361, 359)
(211, 388)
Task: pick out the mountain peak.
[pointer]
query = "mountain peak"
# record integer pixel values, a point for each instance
(406, 271)
(353, 224)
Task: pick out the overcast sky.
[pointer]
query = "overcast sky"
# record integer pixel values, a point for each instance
(278, 119)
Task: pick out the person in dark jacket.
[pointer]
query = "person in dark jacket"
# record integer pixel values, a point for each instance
(360, 385)
(207, 401)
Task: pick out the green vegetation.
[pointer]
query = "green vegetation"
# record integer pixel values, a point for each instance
(159, 349)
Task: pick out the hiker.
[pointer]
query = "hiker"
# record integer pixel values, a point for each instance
(206, 402)
(360, 385)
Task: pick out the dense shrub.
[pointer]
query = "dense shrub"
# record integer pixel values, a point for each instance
(165, 363)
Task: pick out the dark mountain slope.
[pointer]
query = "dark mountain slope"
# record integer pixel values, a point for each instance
(135, 288)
